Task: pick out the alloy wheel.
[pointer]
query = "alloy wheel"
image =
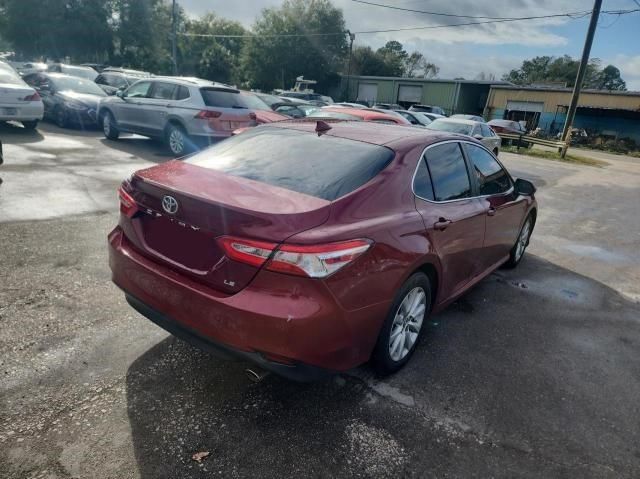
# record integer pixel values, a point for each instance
(407, 323)
(176, 141)
(106, 125)
(523, 239)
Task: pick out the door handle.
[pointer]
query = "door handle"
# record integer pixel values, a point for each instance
(491, 211)
(442, 224)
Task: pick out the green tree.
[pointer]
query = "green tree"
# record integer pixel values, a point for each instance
(557, 69)
(209, 57)
(366, 61)
(394, 56)
(417, 66)
(610, 79)
(54, 29)
(270, 61)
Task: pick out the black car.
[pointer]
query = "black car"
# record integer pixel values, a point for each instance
(68, 100)
(428, 109)
(111, 79)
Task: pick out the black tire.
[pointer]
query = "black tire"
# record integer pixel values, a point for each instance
(60, 117)
(30, 125)
(515, 256)
(177, 140)
(381, 359)
(109, 127)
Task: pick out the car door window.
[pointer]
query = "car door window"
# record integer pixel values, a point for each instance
(139, 90)
(101, 80)
(162, 91)
(448, 172)
(476, 131)
(422, 186)
(492, 178)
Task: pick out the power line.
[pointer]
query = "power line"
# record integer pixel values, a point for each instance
(393, 7)
(570, 15)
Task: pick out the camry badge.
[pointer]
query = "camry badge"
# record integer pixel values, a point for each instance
(169, 204)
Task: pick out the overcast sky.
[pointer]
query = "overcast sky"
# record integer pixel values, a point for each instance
(467, 51)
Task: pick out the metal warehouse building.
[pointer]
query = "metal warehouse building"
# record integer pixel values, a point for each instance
(608, 113)
(453, 96)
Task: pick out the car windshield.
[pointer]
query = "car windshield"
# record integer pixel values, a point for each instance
(422, 118)
(77, 85)
(323, 166)
(269, 99)
(450, 126)
(253, 102)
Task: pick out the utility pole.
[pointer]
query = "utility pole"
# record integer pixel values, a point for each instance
(582, 69)
(352, 37)
(174, 54)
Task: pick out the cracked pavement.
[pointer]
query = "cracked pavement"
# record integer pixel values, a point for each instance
(533, 373)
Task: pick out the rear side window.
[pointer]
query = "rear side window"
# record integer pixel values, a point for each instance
(322, 166)
(486, 131)
(448, 172)
(182, 93)
(422, 181)
(493, 179)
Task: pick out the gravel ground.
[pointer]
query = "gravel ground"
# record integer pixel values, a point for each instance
(534, 373)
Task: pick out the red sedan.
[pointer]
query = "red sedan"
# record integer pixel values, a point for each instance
(310, 249)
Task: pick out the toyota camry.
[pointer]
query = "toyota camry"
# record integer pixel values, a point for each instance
(313, 247)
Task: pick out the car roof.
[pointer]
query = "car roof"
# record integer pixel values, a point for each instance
(396, 137)
(461, 121)
(365, 114)
(191, 81)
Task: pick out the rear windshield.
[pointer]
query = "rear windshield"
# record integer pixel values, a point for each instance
(223, 98)
(322, 166)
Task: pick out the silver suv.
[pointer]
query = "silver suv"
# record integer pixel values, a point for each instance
(184, 112)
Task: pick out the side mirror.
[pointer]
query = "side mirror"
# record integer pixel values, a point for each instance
(121, 94)
(524, 187)
(478, 137)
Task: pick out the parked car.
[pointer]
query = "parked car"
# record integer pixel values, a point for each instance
(297, 110)
(511, 127)
(387, 106)
(350, 105)
(309, 253)
(344, 113)
(468, 117)
(315, 98)
(26, 68)
(184, 112)
(427, 109)
(73, 70)
(111, 80)
(18, 101)
(264, 113)
(415, 117)
(96, 66)
(476, 129)
(431, 116)
(270, 99)
(68, 100)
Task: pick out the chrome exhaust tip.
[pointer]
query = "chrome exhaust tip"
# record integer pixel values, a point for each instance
(256, 375)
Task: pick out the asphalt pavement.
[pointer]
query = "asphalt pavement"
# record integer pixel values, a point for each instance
(533, 373)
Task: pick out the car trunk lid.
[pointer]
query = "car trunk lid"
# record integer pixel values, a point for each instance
(210, 204)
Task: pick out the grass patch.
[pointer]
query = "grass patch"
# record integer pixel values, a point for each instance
(555, 156)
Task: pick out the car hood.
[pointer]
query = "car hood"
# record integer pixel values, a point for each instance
(85, 98)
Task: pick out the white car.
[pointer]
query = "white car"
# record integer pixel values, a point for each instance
(18, 101)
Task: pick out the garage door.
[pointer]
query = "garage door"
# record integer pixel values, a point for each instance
(368, 92)
(525, 106)
(410, 94)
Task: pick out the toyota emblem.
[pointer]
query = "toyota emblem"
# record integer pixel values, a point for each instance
(169, 204)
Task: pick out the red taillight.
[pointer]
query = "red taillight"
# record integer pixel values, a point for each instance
(128, 206)
(208, 114)
(34, 97)
(314, 261)
(247, 251)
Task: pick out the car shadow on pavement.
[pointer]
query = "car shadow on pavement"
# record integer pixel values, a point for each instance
(14, 134)
(535, 369)
(145, 148)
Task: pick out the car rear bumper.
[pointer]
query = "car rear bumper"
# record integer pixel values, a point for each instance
(22, 112)
(292, 326)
